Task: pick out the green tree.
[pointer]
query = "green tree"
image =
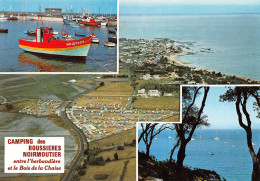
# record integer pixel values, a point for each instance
(116, 156)
(149, 131)
(192, 118)
(241, 95)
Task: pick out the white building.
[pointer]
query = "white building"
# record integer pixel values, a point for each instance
(154, 93)
(147, 77)
(142, 91)
(72, 81)
(168, 94)
(156, 77)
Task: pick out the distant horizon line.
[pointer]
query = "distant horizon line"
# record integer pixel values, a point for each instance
(136, 14)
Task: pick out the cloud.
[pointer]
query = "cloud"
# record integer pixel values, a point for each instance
(191, 2)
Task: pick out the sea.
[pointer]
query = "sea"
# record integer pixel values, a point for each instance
(232, 163)
(14, 59)
(227, 43)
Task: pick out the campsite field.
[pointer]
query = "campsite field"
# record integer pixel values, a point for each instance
(114, 168)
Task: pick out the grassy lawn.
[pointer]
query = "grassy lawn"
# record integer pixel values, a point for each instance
(162, 102)
(128, 152)
(57, 88)
(6, 76)
(87, 81)
(154, 81)
(18, 82)
(113, 169)
(22, 104)
(113, 88)
(130, 174)
(26, 92)
(67, 77)
(175, 118)
(117, 139)
(43, 86)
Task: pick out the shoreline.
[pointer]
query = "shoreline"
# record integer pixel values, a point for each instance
(174, 59)
(164, 47)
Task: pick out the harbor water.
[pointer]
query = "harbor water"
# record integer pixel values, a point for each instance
(14, 59)
(232, 163)
(233, 40)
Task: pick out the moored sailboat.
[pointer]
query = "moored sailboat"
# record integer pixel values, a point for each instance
(217, 138)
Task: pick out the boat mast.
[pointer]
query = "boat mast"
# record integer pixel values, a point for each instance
(40, 17)
(26, 6)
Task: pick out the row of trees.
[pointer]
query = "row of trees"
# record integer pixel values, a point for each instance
(193, 104)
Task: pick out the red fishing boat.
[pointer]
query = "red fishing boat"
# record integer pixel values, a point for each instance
(91, 22)
(12, 18)
(3, 30)
(46, 43)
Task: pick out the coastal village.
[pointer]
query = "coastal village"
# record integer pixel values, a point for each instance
(158, 59)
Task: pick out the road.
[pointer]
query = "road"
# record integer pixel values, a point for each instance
(75, 129)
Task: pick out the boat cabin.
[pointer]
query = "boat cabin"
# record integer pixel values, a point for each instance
(44, 34)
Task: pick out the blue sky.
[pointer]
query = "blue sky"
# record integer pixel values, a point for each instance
(189, 6)
(222, 115)
(106, 6)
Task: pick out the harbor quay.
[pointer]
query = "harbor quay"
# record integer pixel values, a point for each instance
(109, 19)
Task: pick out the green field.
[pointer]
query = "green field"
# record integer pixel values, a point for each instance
(162, 102)
(38, 86)
(113, 89)
(114, 168)
(117, 139)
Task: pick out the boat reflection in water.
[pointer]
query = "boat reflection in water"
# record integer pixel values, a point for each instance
(43, 63)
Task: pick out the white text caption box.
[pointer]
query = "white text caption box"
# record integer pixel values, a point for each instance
(34, 154)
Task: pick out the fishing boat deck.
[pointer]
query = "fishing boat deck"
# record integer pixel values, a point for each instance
(29, 39)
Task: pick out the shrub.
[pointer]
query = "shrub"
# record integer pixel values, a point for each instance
(101, 176)
(116, 156)
(82, 172)
(86, 152)
(120, 148)
(133, 143)
(96, 160)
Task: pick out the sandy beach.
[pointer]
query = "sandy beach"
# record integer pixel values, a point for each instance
(174, 58)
